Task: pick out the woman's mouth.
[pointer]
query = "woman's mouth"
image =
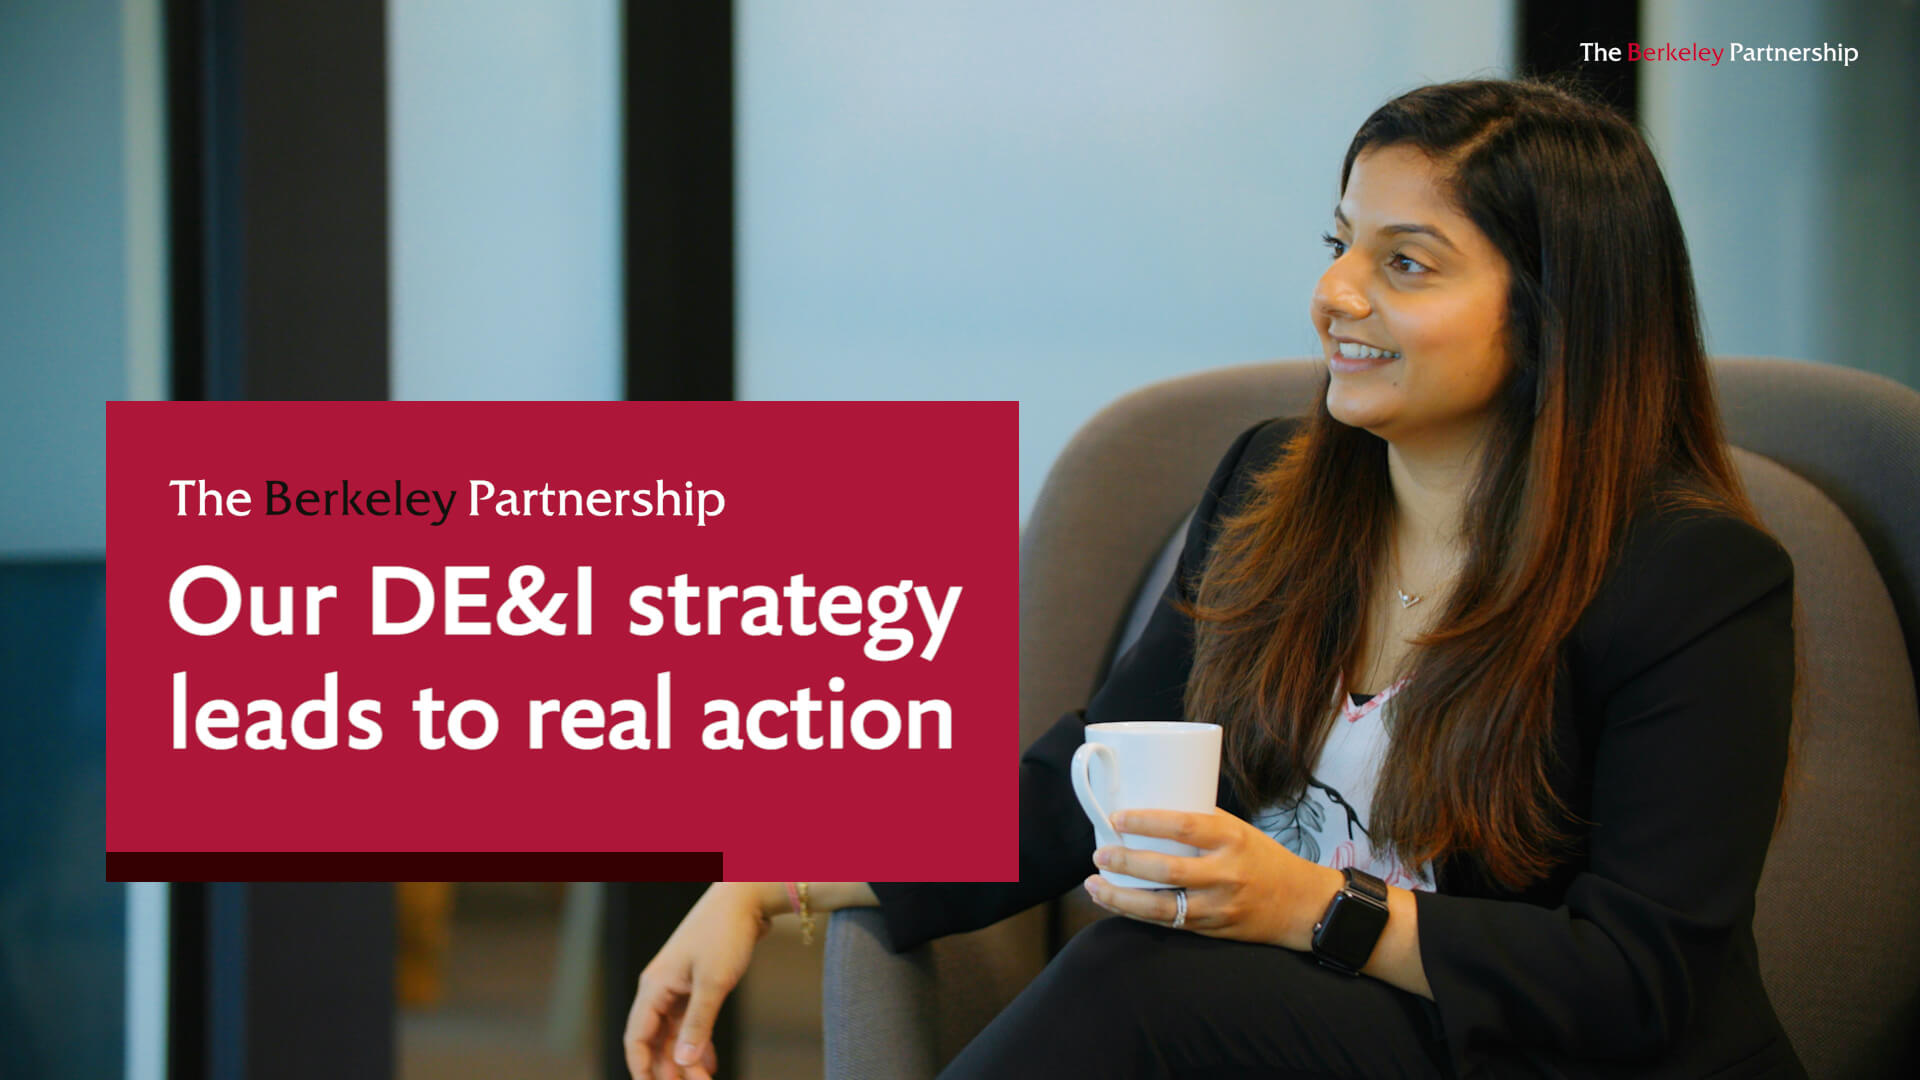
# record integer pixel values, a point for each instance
(1351, 356)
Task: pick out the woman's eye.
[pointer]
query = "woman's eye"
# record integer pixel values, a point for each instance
(1334, 244)
(1410, 266)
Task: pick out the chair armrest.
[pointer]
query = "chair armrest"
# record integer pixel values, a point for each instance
(903, 1016)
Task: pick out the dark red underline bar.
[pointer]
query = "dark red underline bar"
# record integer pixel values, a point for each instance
(414, 866)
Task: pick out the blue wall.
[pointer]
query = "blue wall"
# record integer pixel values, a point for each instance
(505, 199)
(63, 353)
(1056, 202)
(62, 270)
(62, 928)
(1797, 181)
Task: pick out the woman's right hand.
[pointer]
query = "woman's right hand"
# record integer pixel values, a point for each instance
(682, 987)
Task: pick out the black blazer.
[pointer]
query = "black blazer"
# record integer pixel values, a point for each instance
(1672, 710)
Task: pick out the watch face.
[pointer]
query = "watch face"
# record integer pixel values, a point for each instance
(1349, 931)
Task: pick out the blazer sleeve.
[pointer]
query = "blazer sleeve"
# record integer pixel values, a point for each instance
(1056, 839)
(1695, 675)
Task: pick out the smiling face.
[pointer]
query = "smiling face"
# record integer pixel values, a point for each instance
(1412, 277)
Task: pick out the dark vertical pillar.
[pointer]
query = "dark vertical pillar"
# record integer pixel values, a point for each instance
(1552, 31)
(286, 981)
(187, 983)
(679, 202)
(678, 187)
(679, 291)
(319, 981)
(202, 211)
(313, 174)
(278, 144)
(277, 147)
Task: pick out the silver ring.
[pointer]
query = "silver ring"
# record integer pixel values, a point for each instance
(1180, 909)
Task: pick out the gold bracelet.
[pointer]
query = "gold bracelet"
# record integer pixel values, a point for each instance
(798, 898)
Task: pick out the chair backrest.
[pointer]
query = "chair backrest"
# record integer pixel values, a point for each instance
(1830, 457)
(1123, 482)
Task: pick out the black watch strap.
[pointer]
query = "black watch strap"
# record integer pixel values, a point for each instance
(1366, 885)
(1346, 934)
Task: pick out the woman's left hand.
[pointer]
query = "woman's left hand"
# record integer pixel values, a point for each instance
(1244, 885)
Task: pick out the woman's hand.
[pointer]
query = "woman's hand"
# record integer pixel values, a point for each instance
(682, 987)
(1244, 885)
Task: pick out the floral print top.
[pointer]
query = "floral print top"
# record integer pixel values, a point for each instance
(1328, 825)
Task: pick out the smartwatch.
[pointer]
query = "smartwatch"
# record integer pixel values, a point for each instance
(1344, 937)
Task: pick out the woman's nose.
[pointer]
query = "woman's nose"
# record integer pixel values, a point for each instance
(1337, 296)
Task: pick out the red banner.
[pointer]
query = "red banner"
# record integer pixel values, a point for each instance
(503, 634)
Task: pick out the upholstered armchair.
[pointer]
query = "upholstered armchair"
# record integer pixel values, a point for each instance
(1831, 457)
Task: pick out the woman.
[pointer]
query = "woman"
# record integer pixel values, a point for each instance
(1513, 520)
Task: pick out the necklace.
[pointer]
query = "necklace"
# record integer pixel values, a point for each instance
(1406, 600)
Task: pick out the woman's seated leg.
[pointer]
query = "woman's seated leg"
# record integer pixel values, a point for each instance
(1127, 999)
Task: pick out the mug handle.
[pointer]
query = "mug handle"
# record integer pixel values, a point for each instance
(1103, 833)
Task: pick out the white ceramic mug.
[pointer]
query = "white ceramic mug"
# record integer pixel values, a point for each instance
(1148, 765)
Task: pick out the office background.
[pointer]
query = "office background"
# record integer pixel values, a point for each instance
(1051, 202)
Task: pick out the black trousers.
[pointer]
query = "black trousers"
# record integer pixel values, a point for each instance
(1129, 999)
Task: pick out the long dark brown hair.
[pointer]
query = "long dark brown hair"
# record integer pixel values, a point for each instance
(1609, 402)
